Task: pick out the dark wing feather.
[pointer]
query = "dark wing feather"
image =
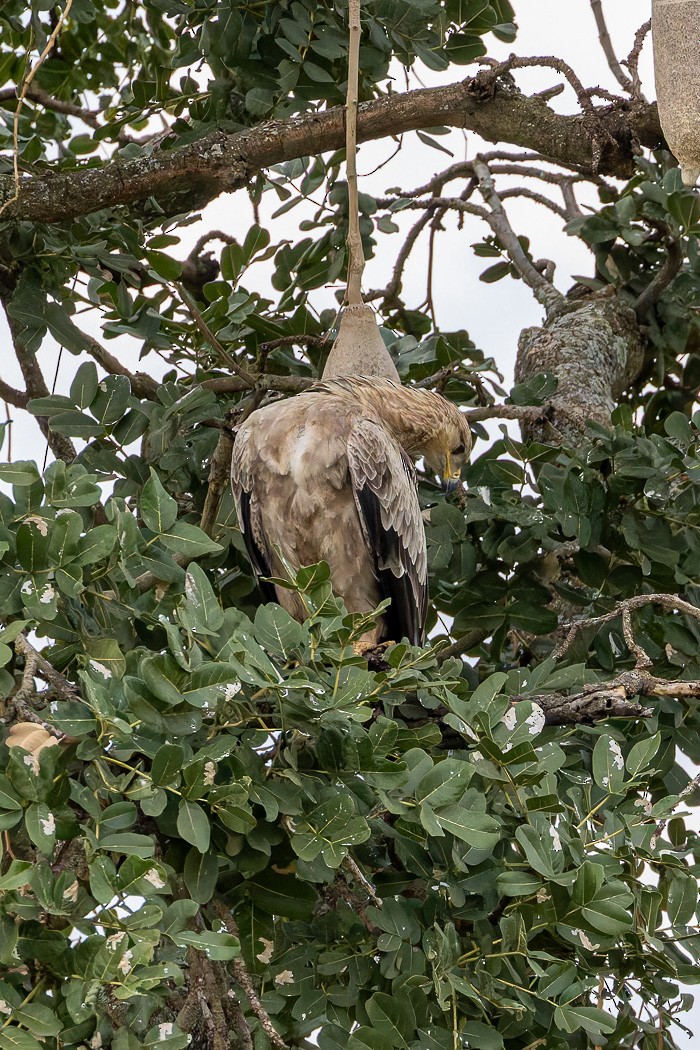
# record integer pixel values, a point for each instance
(385, 492)
(242, 484)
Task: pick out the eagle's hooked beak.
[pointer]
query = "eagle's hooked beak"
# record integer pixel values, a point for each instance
(450, 479)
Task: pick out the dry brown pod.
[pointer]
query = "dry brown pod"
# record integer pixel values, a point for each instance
(30, 737)
(676, 35)
(359, 349)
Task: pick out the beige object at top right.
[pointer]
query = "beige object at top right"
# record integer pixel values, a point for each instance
(676, 36)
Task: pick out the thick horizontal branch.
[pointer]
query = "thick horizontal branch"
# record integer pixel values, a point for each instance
(612, 699)
(195, 174)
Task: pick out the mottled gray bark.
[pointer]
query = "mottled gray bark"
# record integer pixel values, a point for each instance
(594, 349)
(193, 175)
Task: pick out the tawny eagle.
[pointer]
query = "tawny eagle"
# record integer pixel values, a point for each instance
(328, 476)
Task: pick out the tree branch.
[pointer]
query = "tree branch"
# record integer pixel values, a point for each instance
(632, 60)
(544, 290)
(607, 46)
(18, 398)
(671, 268)
(45, 669)
(37, 94)
(356, 257)
(611, 699)
(23, 89)
(217, 163)
(142, 385)
(243, 978)
(62, 447)
(669, 602)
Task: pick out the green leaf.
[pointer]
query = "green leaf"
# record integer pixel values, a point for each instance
(592, 1020)
(608, 764)
(193, 825)
(40, 822)
(21, 473)
(392, 1016)
(157, 508)
(277, 631)
(111, 400)
(16, 875)
(75, 424)
(544, 856)
(96, 545)
(167, 764)
(9, 799)
(39, 1019)
(259, 101)
(478, 829)
(481, 1036)
(106, 658)
(682, 898)
(13, 1038)
(189, 540)
(84, 385)
(642, 754)
(201, 610)
(219, 947)
(166, 267)
(201, 873)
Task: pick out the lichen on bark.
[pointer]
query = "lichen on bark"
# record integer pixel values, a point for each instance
(593, 347)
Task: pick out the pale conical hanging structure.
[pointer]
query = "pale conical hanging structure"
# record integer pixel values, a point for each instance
(675, 28)
(359, 348)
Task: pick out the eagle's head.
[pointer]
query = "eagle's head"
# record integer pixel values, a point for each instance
(448, 452)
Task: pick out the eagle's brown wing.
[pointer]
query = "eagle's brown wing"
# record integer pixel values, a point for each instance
(248, 515)
(384, 486)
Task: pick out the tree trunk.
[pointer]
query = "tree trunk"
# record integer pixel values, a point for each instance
(592, 346)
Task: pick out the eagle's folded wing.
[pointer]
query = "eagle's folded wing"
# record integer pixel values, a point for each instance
(384, 486)
(244, 455)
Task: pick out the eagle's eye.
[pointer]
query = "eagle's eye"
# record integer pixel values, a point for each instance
(458, 450)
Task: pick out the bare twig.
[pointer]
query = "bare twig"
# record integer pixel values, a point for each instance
(607, 46)
(34, 93)
(544, 291)
(669, 271)
(62, 447)
(390, 294)
(643, 659)
(295, 340)
(206, 238)
(23, 94)
(356, 258)
(212, 340)
(533, 195)
(632, 60)
(234, 385)
(669, 602)
(24, 697)
(219, 473)
(550, 61)
(45, 669)
(360, 877)
(437, 203)
(142, 385)
(464, 644)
